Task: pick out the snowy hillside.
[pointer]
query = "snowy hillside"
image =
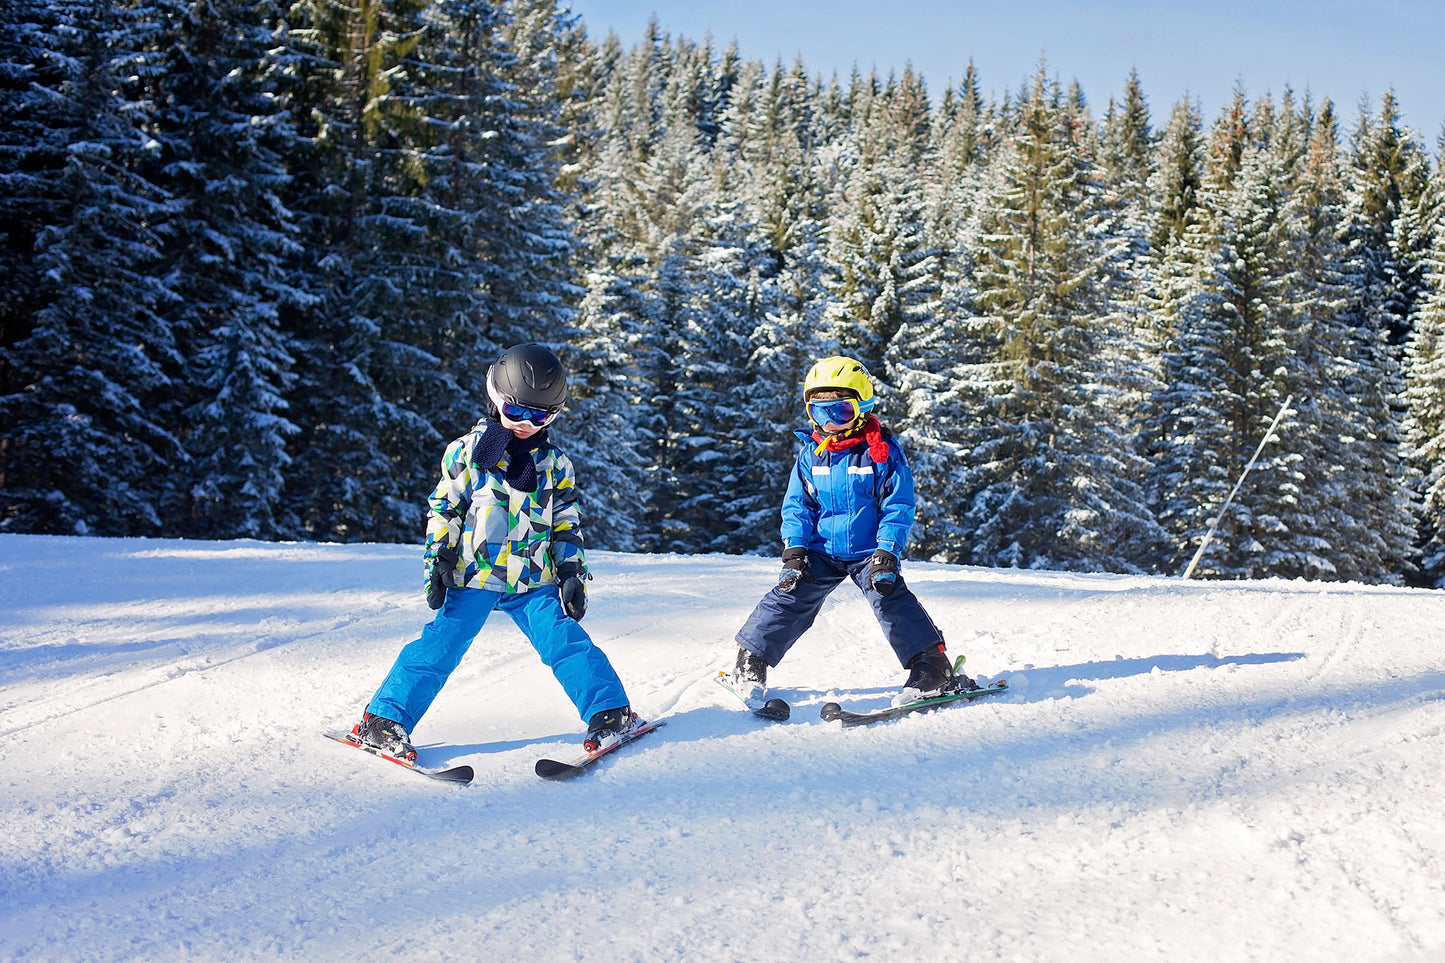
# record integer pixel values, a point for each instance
(1183, 771)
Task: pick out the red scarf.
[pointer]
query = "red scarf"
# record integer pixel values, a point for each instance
(870, 431)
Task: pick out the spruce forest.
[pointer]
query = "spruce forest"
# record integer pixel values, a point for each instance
(257, 257)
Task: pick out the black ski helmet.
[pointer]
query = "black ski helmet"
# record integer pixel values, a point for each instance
(528, 375)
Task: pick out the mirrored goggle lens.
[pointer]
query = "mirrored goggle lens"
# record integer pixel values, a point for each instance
(833, 412)
(537, 416)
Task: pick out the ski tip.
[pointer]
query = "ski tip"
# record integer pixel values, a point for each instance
(552, 769)
(457, 774)
(831, 711)
(775, 709)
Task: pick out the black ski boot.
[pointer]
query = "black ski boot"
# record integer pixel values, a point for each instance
(389, 737)
(609, 725)
(750, 677)
(930, 675)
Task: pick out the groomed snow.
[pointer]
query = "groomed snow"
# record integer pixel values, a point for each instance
(1182, 771)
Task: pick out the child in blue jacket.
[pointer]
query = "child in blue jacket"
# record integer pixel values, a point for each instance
(847, 513)
(504, 533)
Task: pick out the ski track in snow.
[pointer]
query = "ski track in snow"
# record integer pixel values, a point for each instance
(1180, 771)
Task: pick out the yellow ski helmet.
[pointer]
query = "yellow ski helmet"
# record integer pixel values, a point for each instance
(843, 374)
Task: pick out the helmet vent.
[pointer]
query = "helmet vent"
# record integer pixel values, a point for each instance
(536, 380)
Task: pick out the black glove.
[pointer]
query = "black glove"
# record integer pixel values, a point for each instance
(795, 567)
(883, 572)
(572, 589)
(442, 576)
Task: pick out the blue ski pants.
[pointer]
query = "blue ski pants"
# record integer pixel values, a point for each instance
(781, 618)
(423, 666)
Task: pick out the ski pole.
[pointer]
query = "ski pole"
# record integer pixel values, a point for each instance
(1219, 515)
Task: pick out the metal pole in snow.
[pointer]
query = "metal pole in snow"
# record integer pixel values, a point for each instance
(1219, 515)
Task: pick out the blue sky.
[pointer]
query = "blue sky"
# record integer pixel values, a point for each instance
(1203, 50)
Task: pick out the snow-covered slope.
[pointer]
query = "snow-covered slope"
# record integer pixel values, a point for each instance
(1182, 771)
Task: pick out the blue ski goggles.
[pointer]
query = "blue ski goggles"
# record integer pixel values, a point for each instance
(840, 412)
(537, 416)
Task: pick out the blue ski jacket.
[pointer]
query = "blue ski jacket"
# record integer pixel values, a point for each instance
(845, 504)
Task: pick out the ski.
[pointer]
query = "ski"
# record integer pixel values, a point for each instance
(456, 774)
(556, 769)
(774, 710)
(832, 711)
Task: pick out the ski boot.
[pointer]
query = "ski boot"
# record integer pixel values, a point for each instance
(931, 675)
(389, 737)
(750, 677)
(608, 726)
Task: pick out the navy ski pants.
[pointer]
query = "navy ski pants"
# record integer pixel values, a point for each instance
(423, 666)
(781, 618)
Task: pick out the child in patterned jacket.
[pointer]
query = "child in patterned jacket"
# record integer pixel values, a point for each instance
(504, 532)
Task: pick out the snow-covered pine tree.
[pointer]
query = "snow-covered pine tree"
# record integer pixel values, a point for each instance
(478, 237)
(932, 409)
(765, 140)
(1189, 443)
(1126, 157)
(614, 424)
(886, 268)
(784, 345)
(1185, 438)
(1389, 208)
(717, 396)
(834, 112)
(702, 283)
(600, 428)
(882, 270)
(1127, 160)
(602, 424)
(1355, 496)
(382, 85)
(443, 235)
(440, 156)
(1425, 394)
(1127, 146)
(1226, 378)
(926, 359)
(957, 152)
(648, 185)
(90, 359)
(1051, 480)
(529, 253)
(38, 63)
(1174, 185)
(1296, 512)
(1173, 295)
(963, 136)
(1389, 184)
(336, 60)
(229, 248)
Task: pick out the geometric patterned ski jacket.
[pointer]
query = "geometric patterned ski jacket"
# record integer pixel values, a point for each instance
(511, 541)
